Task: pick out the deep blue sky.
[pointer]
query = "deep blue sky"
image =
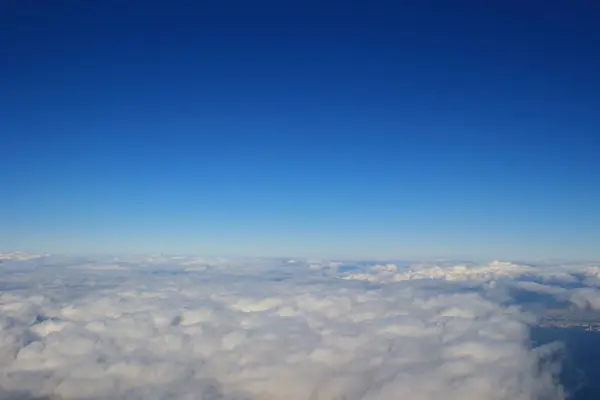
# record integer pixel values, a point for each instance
(304, 128)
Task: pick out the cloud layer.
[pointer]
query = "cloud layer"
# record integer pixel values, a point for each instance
(256, 329)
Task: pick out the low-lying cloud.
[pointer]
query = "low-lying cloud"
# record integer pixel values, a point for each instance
(257, 329)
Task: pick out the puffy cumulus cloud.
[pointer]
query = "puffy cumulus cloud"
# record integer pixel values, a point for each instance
(586, 298)
(19, 256)
(487, 272)
(258, 330)
(577, 283)
(540, 288)
(554, 277)
(591, 275)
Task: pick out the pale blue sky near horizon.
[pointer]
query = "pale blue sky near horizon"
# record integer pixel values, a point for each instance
(369, 129)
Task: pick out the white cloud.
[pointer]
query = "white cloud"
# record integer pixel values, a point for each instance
(487, 272)
(258, 330)
(586, 298)
(20, 256)
(540, 288)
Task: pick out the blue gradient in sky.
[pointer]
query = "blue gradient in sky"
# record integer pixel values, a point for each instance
(361, 130)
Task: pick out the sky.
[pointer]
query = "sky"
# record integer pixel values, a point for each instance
(363, 129)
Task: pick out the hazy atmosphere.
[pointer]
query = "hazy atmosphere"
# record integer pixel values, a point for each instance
(299, 200)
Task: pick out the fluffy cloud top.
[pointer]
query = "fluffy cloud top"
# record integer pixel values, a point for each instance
(20, 256)
(256, 329)
(391, 272)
